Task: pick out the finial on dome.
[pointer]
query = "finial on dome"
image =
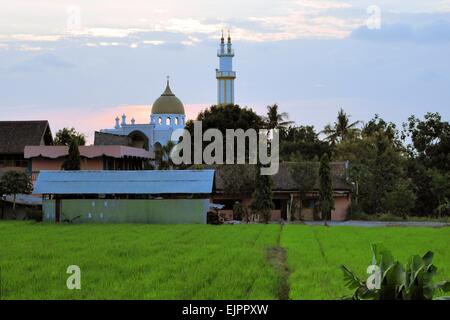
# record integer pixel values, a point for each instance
(168, 91)
(229, 36)
(222, 40)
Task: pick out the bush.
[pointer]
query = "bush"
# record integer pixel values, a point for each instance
(389, 280)
(32, 213)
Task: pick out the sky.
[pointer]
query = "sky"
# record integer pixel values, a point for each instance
(82, 63)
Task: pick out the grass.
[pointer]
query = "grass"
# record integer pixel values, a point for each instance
(316, 252)
(137, 261)
(393, 217)
(197, 261)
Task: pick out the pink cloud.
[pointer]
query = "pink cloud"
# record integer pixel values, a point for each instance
(100, 118)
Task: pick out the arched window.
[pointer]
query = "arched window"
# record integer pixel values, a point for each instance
(176, 121)
(159, 120)
(168, 121)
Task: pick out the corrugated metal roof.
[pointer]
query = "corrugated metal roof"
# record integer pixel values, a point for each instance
(125, 182)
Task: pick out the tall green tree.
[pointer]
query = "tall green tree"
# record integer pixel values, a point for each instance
(15, 182)
(325, 188)
(401, 199)
(223, 117)
(73, 160)
(163, 156)
(64, 136)
(276, 120)
(377, 165)
(262, 203)
(430, 140)
(342, 129)
(428, 160)
(301, 143)
(440, 189)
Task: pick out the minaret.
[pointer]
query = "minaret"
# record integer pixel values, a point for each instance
(225, 75)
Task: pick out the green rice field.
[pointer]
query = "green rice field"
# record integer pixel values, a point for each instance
(132, 261)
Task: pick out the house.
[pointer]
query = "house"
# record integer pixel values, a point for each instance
(100, 157)
(15, 135)
(286, 196)
(150, 196)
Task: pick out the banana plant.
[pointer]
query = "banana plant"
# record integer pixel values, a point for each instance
(390, 280)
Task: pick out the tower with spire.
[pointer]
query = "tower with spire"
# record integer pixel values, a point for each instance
(225, 75)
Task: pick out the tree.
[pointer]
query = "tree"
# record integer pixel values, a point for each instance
(305, 176)
(238, 179)
(342, 129)
(428, 160)
(64, 136)
(377, 164)
(163, 156)
(440, 189)
(301, 143)
(262, 203)
(430, 140)
(275, 120)
(238, 211)
(73, 160)
(325, 188)
(223, 117)
(401, 200)
(15, 182)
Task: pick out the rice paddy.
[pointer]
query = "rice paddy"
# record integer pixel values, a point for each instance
(131, 261)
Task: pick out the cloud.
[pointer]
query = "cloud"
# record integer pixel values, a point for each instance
(323, 5)
(153, 42)
(105, 32)
(44, 61)
(436, 31)
(31, 37)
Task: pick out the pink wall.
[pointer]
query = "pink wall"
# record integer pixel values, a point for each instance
(39, 164)
(341, 205)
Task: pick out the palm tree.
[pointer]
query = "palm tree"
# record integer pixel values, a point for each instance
(342, 129)
(275, 120)
(162, 156)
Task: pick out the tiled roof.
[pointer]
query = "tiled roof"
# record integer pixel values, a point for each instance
(15, 135)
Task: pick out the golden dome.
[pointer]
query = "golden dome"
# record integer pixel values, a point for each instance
(167, 103)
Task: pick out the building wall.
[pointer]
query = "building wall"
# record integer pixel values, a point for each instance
(342, 203)
(39, 164)
(167, 211)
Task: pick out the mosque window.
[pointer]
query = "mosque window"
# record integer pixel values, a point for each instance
(159, 120)
(168, 121)
(176, 121)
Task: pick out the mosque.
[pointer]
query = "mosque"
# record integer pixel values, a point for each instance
(168, 114)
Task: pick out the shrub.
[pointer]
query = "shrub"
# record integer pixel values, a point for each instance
(389, 280)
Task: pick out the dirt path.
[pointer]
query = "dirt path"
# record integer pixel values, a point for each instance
(278, 259)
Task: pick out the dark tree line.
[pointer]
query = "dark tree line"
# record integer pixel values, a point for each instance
(402, 171)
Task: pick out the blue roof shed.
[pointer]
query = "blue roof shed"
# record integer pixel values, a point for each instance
(125, 182)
